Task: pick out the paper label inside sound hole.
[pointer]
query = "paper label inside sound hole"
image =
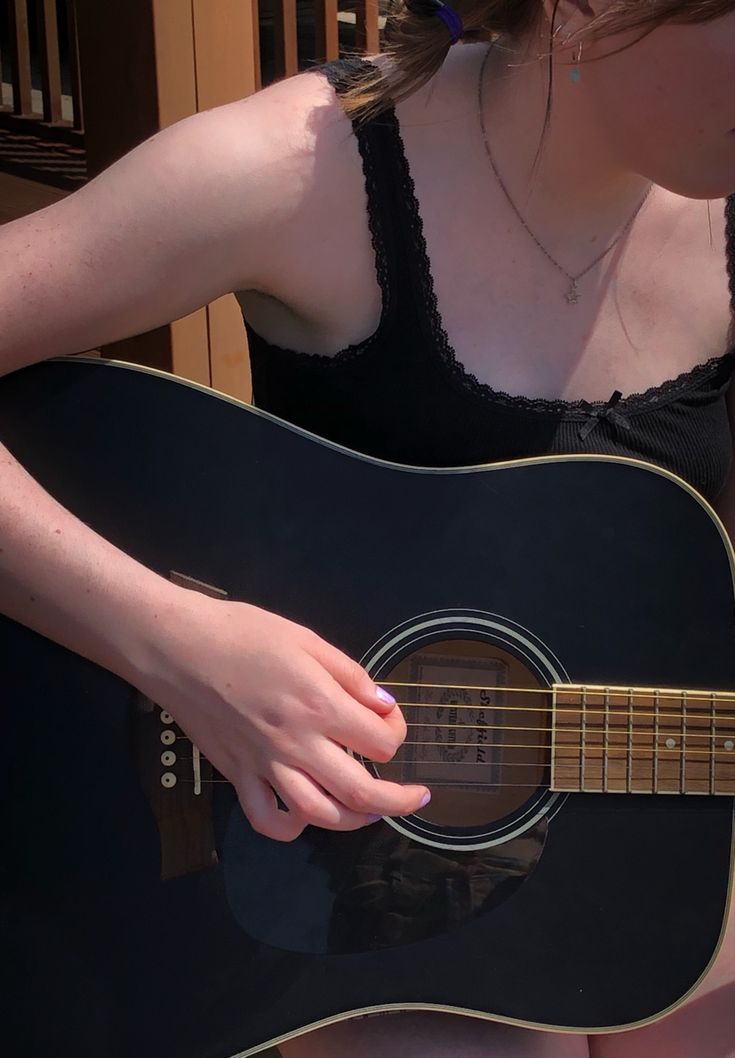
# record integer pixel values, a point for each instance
(454, 731)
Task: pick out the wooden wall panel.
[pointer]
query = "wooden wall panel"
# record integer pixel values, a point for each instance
(224, 46)
(224, 35)
(146, 64)
(230, 362)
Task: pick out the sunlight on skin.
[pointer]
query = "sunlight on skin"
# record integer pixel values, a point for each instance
(433, 1035)
(703, 1027)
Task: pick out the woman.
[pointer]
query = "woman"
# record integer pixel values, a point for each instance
(472, 293)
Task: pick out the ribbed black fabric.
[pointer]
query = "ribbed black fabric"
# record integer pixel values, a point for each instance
(402, 395)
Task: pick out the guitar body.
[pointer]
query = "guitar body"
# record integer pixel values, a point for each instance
(583, 912)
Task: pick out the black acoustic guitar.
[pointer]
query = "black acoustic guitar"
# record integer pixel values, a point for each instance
(559, 633)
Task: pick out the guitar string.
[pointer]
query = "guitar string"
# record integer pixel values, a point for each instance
(689, 714)
(588, 779)
(672, 753)
(507, 764)
(629, 733)
(586, 730)
(640, 752)
(590, 774)
(639, 755)
(608, 732)
(688, 698)
(689, 711)
(614, 690)
(499, 786)
(649, 789)
(588, 747)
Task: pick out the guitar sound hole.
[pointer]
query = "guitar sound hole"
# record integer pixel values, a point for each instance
(478, 731)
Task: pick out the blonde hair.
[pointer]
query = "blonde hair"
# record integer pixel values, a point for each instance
(417, 41)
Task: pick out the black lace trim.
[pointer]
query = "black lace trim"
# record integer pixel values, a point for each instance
(730, 243)
(634, 403)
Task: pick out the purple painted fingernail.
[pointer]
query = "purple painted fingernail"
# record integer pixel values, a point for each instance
(374, 819)
(424, 803)
(385, 697)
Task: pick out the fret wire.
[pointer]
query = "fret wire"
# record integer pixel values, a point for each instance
(682, 782)
(629, 756)
(583, 733)
(713, 736)
(656, 707)
(606, 740)
(554, 715)
(196, 768)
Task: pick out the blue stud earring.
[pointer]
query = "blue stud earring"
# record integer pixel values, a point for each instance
(576, 75)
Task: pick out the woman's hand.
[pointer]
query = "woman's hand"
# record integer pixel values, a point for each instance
(273, 707)
(268, 702)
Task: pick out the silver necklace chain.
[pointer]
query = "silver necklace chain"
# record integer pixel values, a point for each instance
(572, 295)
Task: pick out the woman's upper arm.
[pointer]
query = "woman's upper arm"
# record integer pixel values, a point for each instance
(195, 212)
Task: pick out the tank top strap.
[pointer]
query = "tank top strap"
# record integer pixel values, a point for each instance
(393, 213)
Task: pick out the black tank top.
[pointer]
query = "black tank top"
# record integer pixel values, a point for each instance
(402, 395)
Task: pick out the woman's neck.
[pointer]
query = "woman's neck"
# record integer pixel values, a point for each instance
(580, 194)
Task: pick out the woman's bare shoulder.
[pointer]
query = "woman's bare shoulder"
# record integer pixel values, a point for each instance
(221, 201)
(310, 157)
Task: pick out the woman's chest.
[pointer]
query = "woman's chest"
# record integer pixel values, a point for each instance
(654, 307)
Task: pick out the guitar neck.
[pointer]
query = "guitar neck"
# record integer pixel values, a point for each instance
(642, 740)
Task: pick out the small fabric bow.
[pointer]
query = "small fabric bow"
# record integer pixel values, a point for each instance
(608, 412)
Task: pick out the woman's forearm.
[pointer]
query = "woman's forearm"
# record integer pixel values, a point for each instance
(255, 692)
(58, 577)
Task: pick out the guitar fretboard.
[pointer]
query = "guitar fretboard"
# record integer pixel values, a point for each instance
(642, 740)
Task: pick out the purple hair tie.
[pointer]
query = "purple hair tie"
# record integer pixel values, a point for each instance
(448, 15)
(451, 20)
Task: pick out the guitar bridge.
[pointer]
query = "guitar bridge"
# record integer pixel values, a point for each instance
(176, 779)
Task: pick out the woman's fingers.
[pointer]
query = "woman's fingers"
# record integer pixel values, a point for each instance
(361, 731)
(307, 803)
(352, 677)
(312, 803)
(351, 784)
(345, 719)
(347, 797)
(258, 802)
